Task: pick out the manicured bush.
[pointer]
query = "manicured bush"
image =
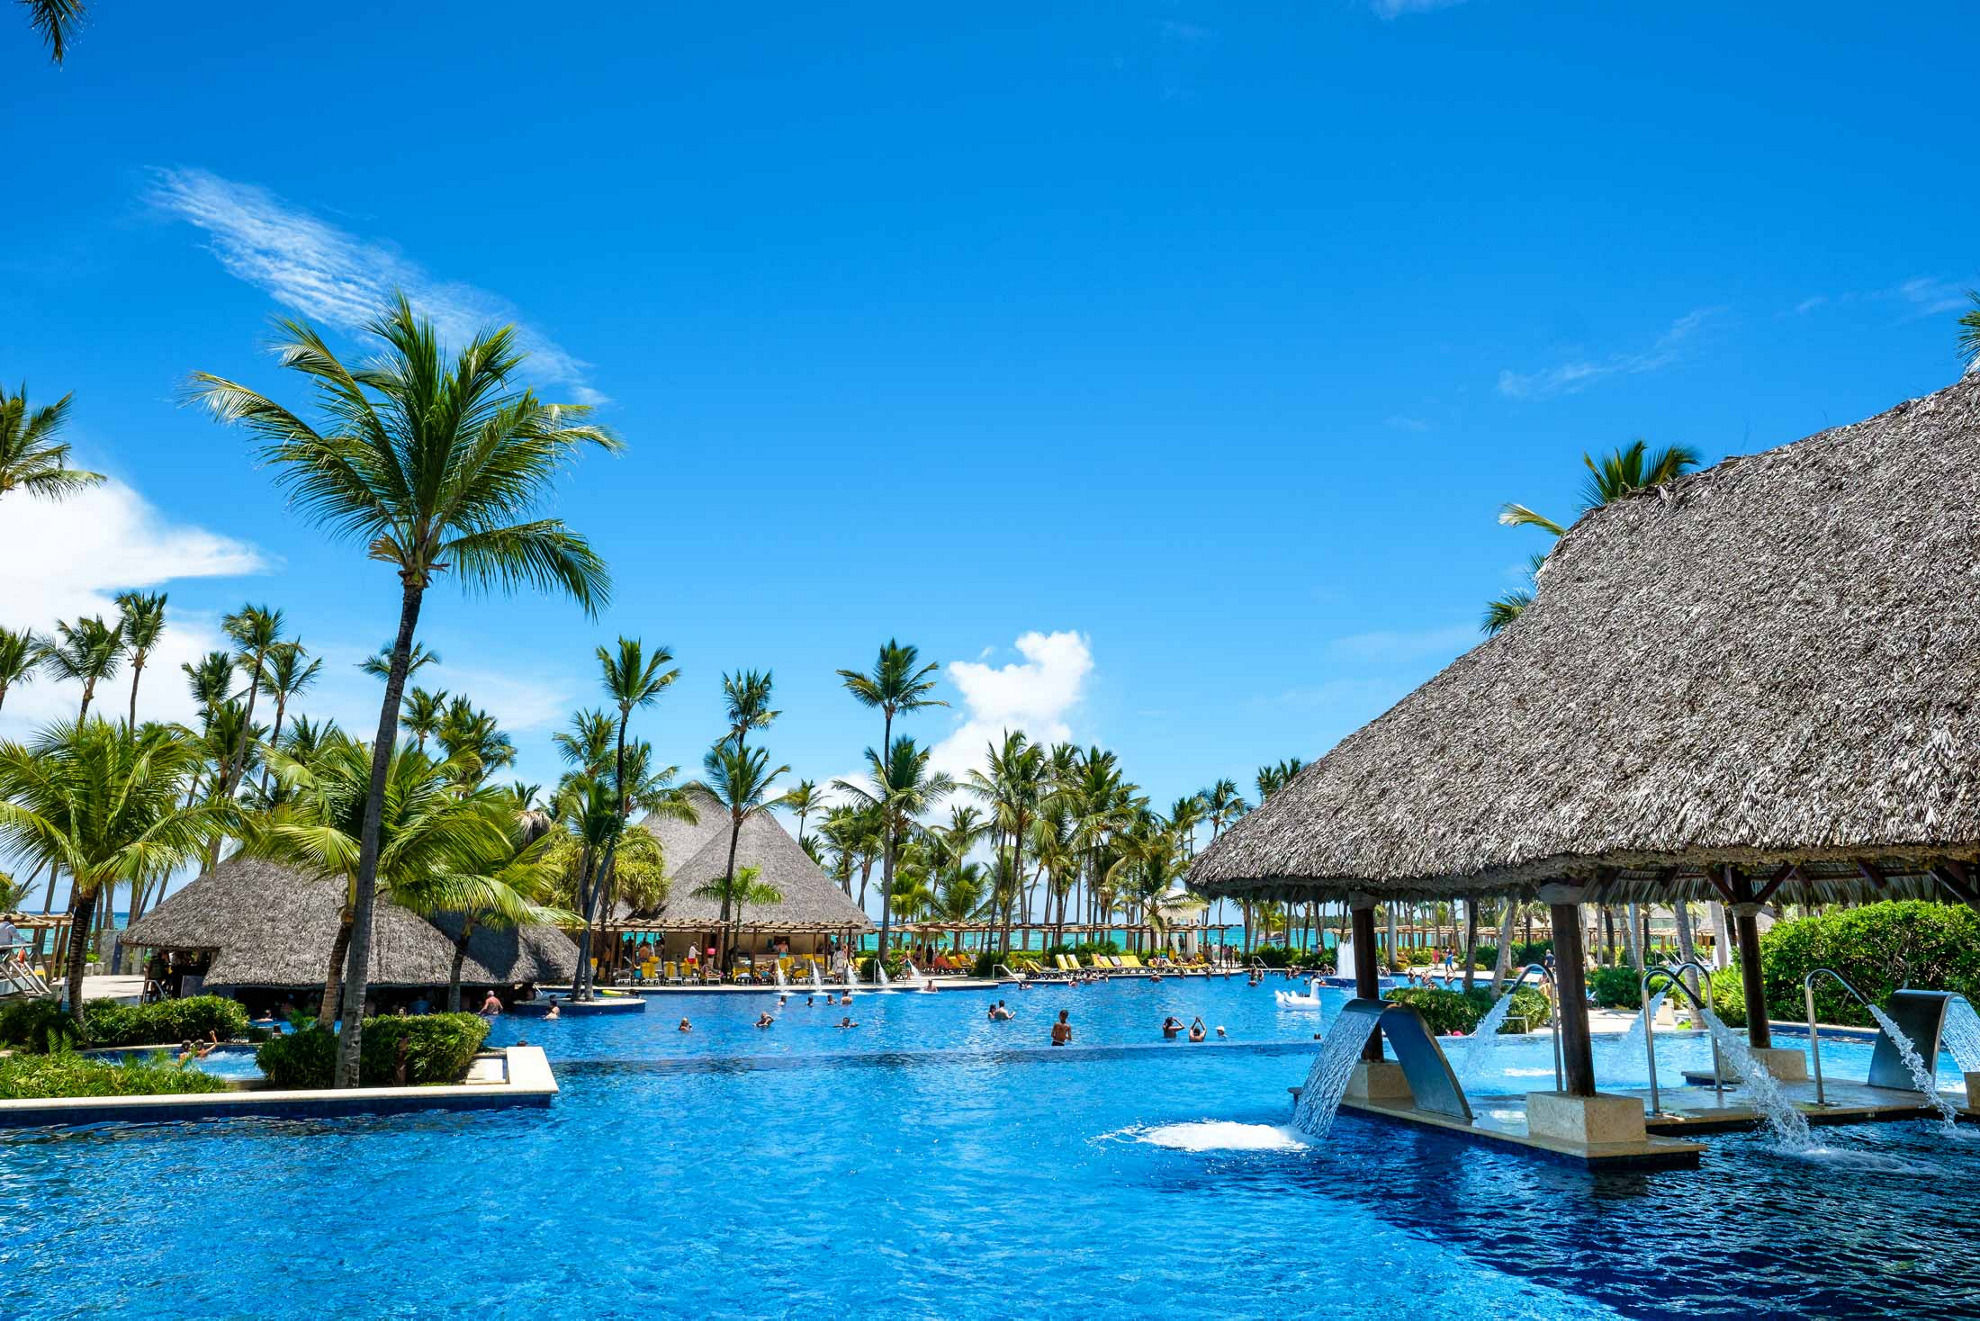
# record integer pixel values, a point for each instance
(66, 1074)
(1616, 988)
(28, 1025)
(439, 1048)
(107, 1023)
(1454, 1011)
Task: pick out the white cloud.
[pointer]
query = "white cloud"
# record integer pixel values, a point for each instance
(1929, 297)
(330, 275)
(1579, 373)
(1035, 695)
(1393, 647)
(69, 559)
(1397, 8)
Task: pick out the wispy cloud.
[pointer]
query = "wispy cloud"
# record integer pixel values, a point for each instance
(1387, 647)
(1401, 422)
(1920, 296)
(330, 275)
(1397, 8)
(1579, 373)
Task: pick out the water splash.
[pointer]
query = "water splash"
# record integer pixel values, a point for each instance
(1961, 1036)
(1483, 1044)
(1622, 1050)
(1217, 1135)
(880, 974)
(1920, 1075)
(782, 980)
(817, 981)
(1763, 1090)
(1326, 1082)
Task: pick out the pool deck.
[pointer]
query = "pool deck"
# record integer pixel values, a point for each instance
(1501, 1129)
(793, 989)
(520, 1076)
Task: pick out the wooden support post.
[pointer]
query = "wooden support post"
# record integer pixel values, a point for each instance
(1367, 979)
(1746, 920)
(1577, 1052)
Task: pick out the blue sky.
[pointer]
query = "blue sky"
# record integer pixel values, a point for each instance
(1194, 346)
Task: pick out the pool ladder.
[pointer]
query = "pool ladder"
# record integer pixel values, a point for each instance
(1547, 976)
(1673, 974)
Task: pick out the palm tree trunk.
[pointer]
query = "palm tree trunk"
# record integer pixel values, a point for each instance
(611, 848)
(886, 889)
(274, 735)
(1503, 964)
(137, 672)
(729, 889)
(460, 960)
(1470, 941)
(580, 979)
(81, 911)
(333, 979)
(350, 1042)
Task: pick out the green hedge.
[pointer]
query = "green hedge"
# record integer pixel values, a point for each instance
(1616, 988)
(439, 1048)
(66, 1074)
(29, 1025)
(1454, 1011)
(107, 1023)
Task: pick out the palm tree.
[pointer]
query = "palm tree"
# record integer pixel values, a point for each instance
(739, 779)
(1632, 468)
(255, 630)
(473, 740)
(424, 712)
(1969, 333)
(500, 886)
(1016, 787)
(431, 468)
(746, 701)
(85, 652)
(803, 800)
(141, 621)
(632, 679)
(286, 676)
(426, 828)
(897, 683)
(210, 681)
(587, 745)
(379, 665)
(901, 787)
(105, 803)
(56, 21)
(32, 461)
(744, 888)
(20, 657)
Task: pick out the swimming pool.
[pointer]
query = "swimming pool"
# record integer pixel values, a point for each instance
(932, 1164)
(233, 1062)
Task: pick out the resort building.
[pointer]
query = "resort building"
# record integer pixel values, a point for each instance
(263, 932)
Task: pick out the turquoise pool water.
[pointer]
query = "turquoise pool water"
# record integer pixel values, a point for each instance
(932, 1164)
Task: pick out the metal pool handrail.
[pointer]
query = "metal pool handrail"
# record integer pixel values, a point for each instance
(1814, 1039)
(1546, 975)
(1671, 973)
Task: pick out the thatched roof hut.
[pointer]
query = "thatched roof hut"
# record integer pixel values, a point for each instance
(268, 925)
(812, 902)
(1753, 683)
(681, 840)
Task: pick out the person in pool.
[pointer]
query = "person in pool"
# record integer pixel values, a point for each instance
(847, 1021)
(685, 1026)
(764, 1020)
(491, 1007)
(846, 999)
(998, 1012)
(1171, 1027)
(1062, 1030)
(553, 1015)
(1196, 1032)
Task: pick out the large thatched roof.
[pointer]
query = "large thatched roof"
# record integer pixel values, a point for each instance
(681, 840)
(270, 925)
(1767, 663)
(812, 900)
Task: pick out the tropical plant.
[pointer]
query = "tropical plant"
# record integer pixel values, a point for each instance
(900, 787)
(56, 21)
(803, 799)
(746, 888)
(140, 624)
(20, 657)
(286, 676)
(473, 740)
(379, 664)
(85, 652)
(106, 804)
(739, 779)
(746, 702)
(254, 630)
(32, 461)
(1634, 467)
(1969, 331)
(897, 683)
(432, 468)
(423, 714)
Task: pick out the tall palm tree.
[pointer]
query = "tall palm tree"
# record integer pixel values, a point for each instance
(286, 676)
(141, 621)
(633, 679)
(432, 468)
(803, 799)
(897, 683)
(32, 461)
(901, 787)
(106, 804)
(379, 665)
(498, 885)
(1634, 467)
(587, 746)
(474, 741)
(1015, 786)
(424, 712)
(56, 21)
(210, 681)
(85, 652)
(20, 658)
(739, 779)
(746, 701)
(254, 630)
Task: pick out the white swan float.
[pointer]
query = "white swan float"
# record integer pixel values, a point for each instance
(1290, 1000)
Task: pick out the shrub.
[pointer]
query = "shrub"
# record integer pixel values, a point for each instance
(1272, 956)
(1443, 1011)
(1616, 988)
(28, 1024)
(439, 1048)
(107, 1023)
(1017, 961)
(66, 1074)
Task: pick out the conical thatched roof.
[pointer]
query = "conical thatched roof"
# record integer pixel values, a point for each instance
(270, 925)
(1767, 663)
(812, 900)
(681, 840)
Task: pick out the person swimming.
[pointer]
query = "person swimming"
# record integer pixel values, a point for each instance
(1062, 1030)
(847, 1021)
(1171, 1027)
(553, 1014)
(999, 1012)
(764, 1020)
(1196, 1032)
(685, 1026)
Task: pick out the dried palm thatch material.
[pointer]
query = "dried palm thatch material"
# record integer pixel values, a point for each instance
(270, 925)
(1769, 665)
(812, 900)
